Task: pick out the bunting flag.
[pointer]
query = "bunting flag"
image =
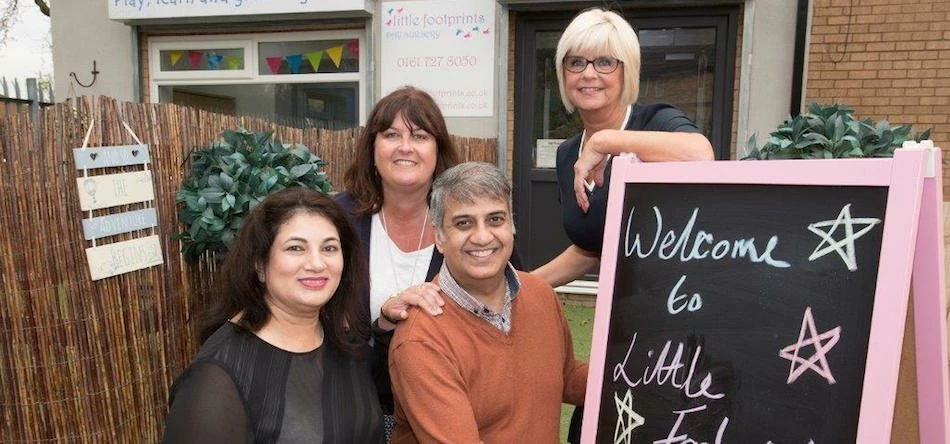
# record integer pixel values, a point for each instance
(314, 58)
(354, 48)
(336, 54)
(175, 56)
(294, 62)
(214, 60)
(234, 62)
(274, 63)
(195, 58)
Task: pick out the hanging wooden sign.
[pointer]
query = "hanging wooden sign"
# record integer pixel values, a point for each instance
(108, 193)
(112, 224)
(122, 257)
(110, 190)
(110, 156)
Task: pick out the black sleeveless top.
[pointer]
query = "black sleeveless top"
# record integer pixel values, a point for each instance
(587, 230)
(243, 389)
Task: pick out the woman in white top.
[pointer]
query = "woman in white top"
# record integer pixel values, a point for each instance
(404, 145)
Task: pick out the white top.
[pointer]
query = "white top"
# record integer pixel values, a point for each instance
(391, 269)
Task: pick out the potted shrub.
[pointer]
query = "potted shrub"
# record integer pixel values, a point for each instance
(230, 177)
(831, 131)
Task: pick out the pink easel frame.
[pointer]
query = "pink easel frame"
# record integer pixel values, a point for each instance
(912, 221)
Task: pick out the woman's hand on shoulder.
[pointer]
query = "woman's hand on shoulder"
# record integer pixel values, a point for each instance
(425, 296)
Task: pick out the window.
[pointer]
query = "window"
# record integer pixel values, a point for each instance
(307, 79)
(199, 59)
(309, 57)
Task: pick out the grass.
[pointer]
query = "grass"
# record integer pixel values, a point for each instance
(580, 320)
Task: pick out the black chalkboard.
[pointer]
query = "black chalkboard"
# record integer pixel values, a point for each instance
(751, 310)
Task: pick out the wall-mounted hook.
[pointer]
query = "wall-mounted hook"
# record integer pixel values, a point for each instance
(95, 73)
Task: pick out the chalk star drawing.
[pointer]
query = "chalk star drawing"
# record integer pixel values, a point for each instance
(627, 419)
(847, 241)
(822, 343)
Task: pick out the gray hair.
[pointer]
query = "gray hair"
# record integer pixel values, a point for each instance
(464, 183)
(606, 31)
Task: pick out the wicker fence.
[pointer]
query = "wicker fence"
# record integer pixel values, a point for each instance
(85, 361)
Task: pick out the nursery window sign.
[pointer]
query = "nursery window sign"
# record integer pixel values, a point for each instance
(118, 206)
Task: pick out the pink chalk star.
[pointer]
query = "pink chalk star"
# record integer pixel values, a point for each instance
(817, 361)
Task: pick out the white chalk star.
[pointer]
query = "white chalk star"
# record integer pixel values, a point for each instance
(791, 352)
(627, 419)
(847, 241)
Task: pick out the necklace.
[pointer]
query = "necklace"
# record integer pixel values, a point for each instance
(389, 249)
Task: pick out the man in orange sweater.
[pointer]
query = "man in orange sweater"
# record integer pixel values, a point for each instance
(496, 365)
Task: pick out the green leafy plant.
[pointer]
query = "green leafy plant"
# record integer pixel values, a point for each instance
(831, 131)
(230, 177)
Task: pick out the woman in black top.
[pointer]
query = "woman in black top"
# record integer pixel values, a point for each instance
(598, 71)
(287, 360)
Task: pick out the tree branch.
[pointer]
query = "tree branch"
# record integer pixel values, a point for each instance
(43, 5)
(7, 19)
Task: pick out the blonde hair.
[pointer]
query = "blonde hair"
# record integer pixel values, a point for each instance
(598, 29)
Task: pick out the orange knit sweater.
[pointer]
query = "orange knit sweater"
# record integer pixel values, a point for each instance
(456, 378)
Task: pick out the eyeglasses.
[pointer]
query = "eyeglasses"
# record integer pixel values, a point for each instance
(603, 65)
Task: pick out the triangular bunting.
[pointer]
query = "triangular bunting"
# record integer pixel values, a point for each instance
(314, 58)
(294, 62)
(175, 56)
(214, 60)
(354, 48)
(234, 62)
(274, 64)
(195, 58)
(336, 54)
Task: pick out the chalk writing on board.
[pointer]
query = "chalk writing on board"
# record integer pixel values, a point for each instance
(627, 419)
(668, 369)
(823, 343)
(675, 303)
(700, 249)
(847, 240)
(673, 438)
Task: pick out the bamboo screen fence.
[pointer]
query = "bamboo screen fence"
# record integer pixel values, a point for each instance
(84, 361)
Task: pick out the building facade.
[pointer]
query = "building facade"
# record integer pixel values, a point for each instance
(737, 67)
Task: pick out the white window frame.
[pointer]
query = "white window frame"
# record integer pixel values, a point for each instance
(155, 59)
(249, 75)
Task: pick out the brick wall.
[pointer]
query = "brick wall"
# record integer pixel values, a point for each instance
(735, 90)
(887, 59)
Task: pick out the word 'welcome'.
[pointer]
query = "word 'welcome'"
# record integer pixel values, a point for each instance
(673, 244)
